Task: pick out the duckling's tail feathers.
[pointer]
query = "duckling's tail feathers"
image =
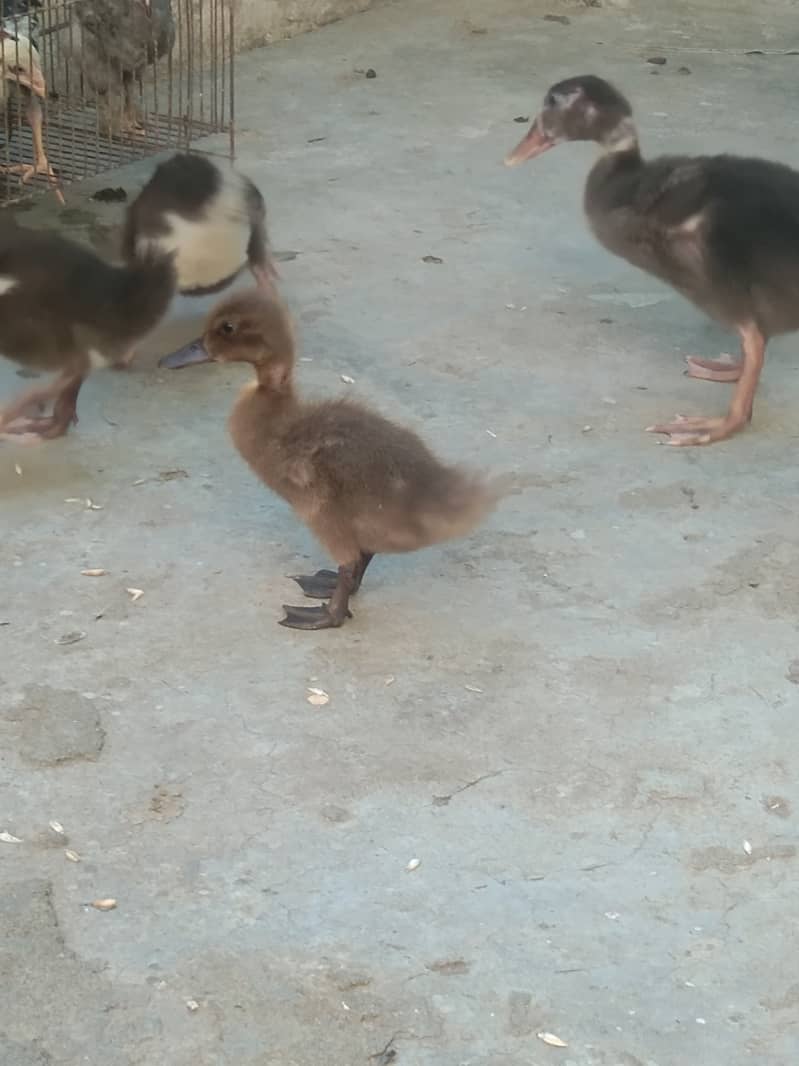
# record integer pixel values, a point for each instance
(464, 499)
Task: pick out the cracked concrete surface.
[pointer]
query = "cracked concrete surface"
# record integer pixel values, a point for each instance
(581, 720)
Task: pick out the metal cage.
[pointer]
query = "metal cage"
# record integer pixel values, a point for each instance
(122, 80)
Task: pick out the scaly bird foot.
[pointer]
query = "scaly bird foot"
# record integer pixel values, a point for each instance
(46, 427)
(311, 618)
(724, 369)
(684, 432)
(27, 171)
(318, 586)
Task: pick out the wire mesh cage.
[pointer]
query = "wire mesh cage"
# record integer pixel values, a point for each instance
(90, 85)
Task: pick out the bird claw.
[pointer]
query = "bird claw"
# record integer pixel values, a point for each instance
(695, 430)
(27, 171)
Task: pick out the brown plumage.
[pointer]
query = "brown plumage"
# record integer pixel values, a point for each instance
(362, 484)
(64, 309)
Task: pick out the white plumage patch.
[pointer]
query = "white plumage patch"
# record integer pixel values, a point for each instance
(692, 224)
(97, 360)
(622, 138)
(211, 248)
(7, 284)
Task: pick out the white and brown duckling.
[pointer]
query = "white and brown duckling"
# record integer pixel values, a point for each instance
(65, 310)
(722, 230)
(362, 484)
(211, 217)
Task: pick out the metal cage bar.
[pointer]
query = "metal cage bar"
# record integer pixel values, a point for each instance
(125, 80)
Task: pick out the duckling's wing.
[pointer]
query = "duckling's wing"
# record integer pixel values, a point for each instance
(299, 471)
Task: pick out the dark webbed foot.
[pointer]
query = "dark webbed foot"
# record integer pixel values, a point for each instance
(313, 617)
(338, 586)
(318, 586)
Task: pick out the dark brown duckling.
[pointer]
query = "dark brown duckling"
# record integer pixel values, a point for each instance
(211, 217)
(722, 230)
(362, 484)
(65, 310)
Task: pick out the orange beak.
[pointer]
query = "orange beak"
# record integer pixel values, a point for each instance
(535, 142)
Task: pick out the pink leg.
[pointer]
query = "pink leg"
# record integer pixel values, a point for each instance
(46, 427)
(687, 431)
(38, 396)
(724, 369)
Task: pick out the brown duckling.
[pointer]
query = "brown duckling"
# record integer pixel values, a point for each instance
(722, 230)
(214, 220)
(362, 484)
(63, 309)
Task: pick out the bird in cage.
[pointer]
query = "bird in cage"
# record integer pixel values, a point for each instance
(22, 17)
(22, 86)
(111, 43)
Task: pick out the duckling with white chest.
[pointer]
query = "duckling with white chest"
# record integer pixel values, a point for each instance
(211, 217)
(722, 230)
(362, 484)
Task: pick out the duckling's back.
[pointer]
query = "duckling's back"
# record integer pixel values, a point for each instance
(346, 468)
(203, 212)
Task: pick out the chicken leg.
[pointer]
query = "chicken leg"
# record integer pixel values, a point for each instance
(41, 164)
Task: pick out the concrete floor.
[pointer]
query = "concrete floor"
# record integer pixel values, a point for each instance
(582, 720)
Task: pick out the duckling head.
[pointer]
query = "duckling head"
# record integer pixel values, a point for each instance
(583, 108)
(251, 327)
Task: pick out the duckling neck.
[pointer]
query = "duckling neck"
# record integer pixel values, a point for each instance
(273, 390)
(622, 141)
(614, 179)
(260, 417)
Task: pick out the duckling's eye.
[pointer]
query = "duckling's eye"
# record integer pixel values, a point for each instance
(227, 328)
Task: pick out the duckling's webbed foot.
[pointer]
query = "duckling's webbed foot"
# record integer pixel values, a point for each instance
(322, 585)
(313, 617)
(318, 586)
(330, 615)
(724, 369)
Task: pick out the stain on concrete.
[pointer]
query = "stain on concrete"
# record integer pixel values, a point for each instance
(331, 812)
(450, 967)
(787, 1001)
(520, 1014)
(728, 861)
(777, 805)
(166, 804)
(56, 726)
(14, 1054)
(762, 578)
